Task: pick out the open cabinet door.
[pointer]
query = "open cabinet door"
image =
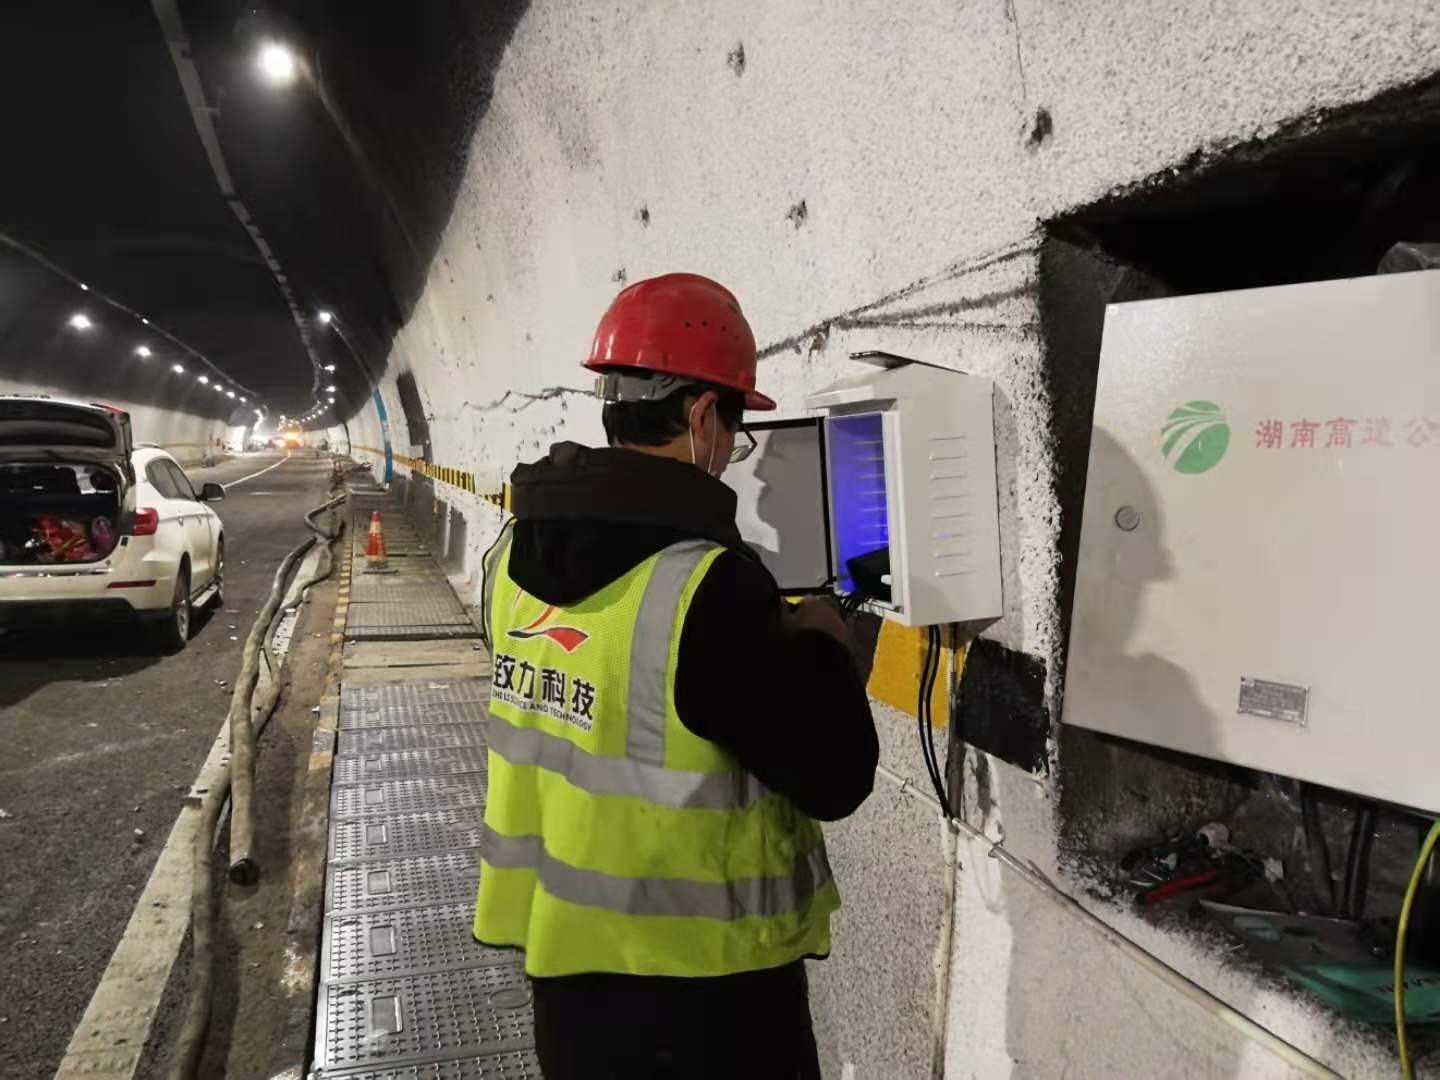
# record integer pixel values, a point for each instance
(782, 512)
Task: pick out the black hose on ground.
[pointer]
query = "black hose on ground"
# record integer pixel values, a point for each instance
(261, 711)
(190, 1043)
(243, 869)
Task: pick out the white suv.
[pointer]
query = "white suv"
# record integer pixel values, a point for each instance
(93, 526)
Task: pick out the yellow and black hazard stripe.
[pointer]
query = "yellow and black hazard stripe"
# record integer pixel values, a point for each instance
(457, 478)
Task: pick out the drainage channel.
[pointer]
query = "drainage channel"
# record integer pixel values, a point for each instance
(405, 991)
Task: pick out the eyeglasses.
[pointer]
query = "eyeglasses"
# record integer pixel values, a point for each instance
(744, 450)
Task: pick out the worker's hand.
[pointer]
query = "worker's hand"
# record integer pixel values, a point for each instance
(813, 613)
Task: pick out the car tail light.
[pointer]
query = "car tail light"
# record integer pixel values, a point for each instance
(147, 521)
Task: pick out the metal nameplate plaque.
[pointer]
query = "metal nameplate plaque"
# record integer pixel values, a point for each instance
(1273, 700)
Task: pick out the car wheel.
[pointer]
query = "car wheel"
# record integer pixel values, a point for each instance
(174, 630)
(218, 600)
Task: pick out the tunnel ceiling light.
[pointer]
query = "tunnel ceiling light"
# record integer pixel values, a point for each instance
(331, 388)
(276, 62)
(143, 351)
(325, 317)
(80, 321)
(177, 368)
(329, 367)
(84, 287)
(244, 401)
(229, 393)
(204, 378)
(145, 322)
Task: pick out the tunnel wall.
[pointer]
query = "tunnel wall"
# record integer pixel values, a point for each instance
(188, 437)
(872, 177)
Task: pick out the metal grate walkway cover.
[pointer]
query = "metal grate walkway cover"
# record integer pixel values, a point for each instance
(405, 588)
(451, 878)
(383, 740)
(409, 764)
(383, 837)
(415, 1018)
(412, 716)
(411, 941)
(415, 631)
(409, 796)
(518, 1066)
(405, 991)
(403, 611)
(398, 564)
(410, 693)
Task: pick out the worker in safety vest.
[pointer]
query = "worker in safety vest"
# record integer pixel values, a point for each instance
(665, 731)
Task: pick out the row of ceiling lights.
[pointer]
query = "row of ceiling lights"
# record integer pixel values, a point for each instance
(82, 323)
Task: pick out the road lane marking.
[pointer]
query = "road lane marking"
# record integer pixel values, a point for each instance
(262, 472)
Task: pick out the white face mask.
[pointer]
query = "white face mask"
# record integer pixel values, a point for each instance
(710, 464)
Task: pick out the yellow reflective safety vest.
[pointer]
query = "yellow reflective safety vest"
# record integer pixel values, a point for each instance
(616, 840)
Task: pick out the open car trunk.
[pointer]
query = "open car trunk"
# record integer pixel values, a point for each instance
(65, 472)
(53, 513)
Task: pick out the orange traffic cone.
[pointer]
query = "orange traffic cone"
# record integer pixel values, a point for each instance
(375, 560)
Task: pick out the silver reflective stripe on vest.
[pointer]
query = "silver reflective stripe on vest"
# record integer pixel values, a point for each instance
(492, 571)
(650, 649)
(728, 900)
(731, 790)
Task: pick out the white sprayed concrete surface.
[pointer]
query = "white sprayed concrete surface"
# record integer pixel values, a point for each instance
(866, 179)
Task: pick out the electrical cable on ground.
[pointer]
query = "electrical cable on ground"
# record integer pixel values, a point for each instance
(243, 869)
(190, 1043)
(1402, 928)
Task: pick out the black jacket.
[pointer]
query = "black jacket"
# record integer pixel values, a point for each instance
(789, 706)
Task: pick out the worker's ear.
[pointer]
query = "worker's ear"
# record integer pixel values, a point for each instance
(705, 415)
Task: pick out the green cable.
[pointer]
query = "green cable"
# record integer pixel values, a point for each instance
(1426, 850)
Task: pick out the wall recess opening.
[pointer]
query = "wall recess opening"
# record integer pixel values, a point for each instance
(1322, 199)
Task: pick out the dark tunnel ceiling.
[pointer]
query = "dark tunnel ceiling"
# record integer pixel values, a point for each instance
(112, 184)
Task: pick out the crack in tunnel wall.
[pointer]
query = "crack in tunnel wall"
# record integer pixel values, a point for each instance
(925, 164)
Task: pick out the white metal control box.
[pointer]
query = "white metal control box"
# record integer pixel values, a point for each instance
(888, 495)
(1258, 578)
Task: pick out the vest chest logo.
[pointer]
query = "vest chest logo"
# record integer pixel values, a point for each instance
(568, 638)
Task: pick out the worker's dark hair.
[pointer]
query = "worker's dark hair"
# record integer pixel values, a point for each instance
(655, 423)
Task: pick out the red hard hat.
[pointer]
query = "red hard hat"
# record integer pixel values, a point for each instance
(680, 324)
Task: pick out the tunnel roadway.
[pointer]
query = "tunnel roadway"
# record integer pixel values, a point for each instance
(100, 738)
